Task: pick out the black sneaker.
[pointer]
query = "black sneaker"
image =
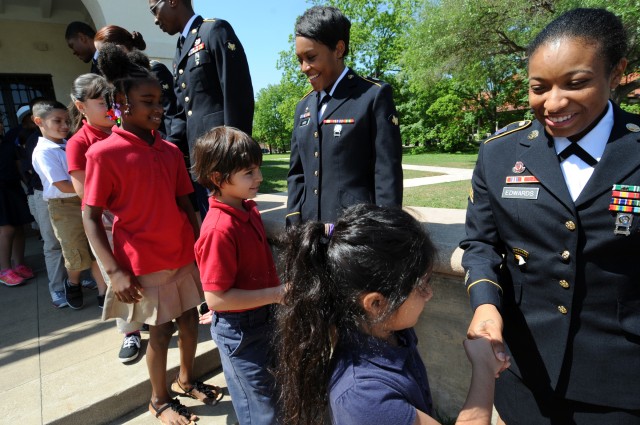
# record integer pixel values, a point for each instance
(130, 347)
(101, 301)
(144, 328)
(73, 295)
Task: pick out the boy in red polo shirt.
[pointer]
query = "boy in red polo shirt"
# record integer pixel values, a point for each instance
(237, 270)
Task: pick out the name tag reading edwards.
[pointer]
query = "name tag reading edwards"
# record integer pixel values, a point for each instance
(520, 192)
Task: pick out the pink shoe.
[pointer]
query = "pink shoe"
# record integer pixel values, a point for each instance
(24, 271)
(10, 278)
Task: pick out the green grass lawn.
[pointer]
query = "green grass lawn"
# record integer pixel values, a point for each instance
(443, 195)
(274, 172)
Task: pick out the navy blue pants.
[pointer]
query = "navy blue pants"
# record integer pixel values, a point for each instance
(244, 343)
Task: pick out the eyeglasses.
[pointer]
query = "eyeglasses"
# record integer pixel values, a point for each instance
(153, 8)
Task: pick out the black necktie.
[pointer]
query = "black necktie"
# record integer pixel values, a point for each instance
(180, 43)
(575, 149)
(325, 99)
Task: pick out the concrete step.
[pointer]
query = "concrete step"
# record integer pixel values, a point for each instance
(60, 366)
(220, 414)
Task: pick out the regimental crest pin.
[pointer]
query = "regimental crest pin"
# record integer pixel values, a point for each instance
(519, 168)
(634, 128)
(533, 134)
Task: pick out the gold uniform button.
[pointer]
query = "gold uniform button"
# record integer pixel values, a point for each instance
(181, 71)
(315, 191)
(315, 173)
(316, 154)
(315, 134)
(562, 309)
(570, 225)
(564, 284)
(190, 113)
(186, 99)
(565, 255)
(183, 85)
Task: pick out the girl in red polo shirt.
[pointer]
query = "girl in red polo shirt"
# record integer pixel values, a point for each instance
(89, 124)
(142, 180)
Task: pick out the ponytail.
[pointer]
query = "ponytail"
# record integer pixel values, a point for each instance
(306, 325)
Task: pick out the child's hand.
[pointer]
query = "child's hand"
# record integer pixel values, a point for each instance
(480, 354)
(126, 287)
(206, 318)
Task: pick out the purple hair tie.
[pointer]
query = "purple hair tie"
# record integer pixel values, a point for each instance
(328, 229)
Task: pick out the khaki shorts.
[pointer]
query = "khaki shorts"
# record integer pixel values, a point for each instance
(66, 220)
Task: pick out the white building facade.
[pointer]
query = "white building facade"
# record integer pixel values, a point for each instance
(34, 57)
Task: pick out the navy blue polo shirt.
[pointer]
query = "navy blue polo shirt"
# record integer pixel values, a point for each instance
(374, 382)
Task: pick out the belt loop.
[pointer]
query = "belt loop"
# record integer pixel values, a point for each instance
(216, 317)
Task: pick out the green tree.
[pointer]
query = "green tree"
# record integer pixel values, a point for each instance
(481, 44)
(273, 117)
(449, 125)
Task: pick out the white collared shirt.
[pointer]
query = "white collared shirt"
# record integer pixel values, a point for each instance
(577, 172)
(333, 89)
(50, 162)
(187, 28)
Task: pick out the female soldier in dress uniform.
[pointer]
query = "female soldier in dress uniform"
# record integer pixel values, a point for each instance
(553, 224)
(345, 147)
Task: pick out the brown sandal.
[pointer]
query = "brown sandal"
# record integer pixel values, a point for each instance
(208, 394)
(177, 407)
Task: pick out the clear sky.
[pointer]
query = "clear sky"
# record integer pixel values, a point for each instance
(263, 27)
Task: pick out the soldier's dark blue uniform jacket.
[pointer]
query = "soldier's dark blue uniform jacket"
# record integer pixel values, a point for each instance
(353, 155)
(212, 81)
(567, 286)
(169, 105)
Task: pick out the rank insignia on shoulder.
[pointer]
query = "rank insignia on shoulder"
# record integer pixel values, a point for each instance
(521, 256)
(165, 87)
(394, 119)
(511, 128)
(634, 128)
(231, 46)
(533, 134)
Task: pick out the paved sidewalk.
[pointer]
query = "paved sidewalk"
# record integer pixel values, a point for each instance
(62, 367)
(448, 175)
